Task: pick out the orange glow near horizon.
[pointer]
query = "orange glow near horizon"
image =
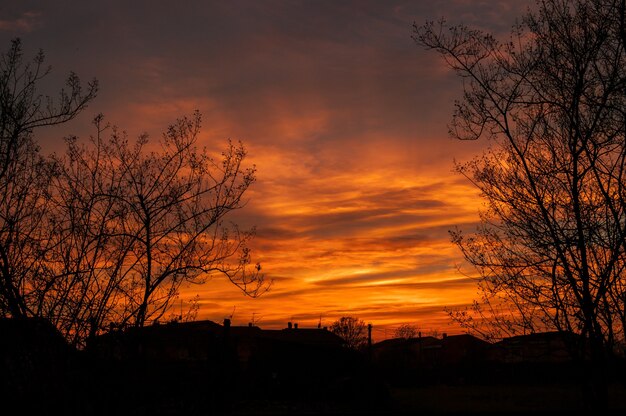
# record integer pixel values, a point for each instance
(373, 245)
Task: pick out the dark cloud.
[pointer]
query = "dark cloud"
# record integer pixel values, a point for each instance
(25, 22)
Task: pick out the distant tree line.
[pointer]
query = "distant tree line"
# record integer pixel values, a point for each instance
(104, 234)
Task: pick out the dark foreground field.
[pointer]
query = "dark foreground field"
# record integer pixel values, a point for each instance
(520, 399)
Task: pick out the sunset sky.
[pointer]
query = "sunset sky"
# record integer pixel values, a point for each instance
(344, 116)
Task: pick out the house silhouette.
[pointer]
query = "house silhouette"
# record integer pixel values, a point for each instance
(297, 363)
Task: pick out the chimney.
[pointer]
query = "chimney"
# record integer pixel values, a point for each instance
(295, 326)
(249, 324)
(288, 325)
(444, 335)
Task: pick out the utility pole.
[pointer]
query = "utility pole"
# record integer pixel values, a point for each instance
(369, 341)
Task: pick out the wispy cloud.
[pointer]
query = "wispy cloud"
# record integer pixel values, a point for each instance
(24, 23)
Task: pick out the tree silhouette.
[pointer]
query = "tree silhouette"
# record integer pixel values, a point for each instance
(406, 331)
(25, 175)
(133, 224)
(105, 234)
(352, 330)
(551, 247)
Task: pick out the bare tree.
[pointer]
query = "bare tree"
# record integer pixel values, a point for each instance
(86, 262)
(173, 204)
(25, 175)
(107, 233)
(551, 247)
(134, 221)
(406, 331)
(352, 330)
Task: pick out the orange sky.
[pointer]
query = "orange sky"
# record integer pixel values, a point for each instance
(343, 115)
